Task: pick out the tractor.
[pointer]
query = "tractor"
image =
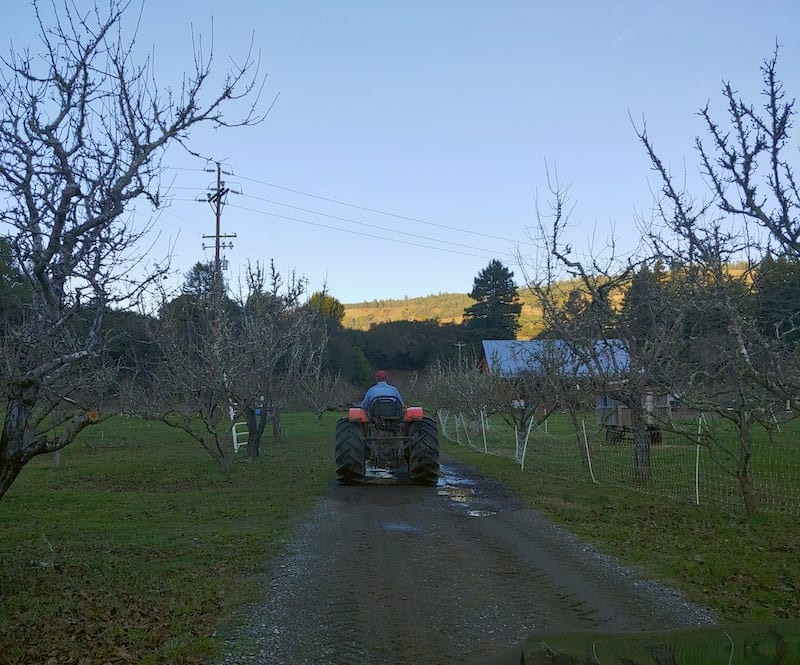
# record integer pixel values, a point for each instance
(388, 436)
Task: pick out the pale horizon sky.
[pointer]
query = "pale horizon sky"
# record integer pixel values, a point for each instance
(445, 115)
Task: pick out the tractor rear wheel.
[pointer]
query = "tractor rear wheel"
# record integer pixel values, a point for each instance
(423, 452)
(350, 454)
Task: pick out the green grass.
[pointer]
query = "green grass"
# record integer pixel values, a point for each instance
(743, 567)
(677, 470)
(138, 547)
(134, 548)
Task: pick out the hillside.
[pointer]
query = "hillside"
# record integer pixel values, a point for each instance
(442, 307)
(449, 307)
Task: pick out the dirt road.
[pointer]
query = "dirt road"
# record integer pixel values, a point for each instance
(459, 573)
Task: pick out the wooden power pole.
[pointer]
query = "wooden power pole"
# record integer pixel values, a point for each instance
(216, 197)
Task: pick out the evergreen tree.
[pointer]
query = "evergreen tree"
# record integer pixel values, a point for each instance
(777, 293)
(329, 308)
(495, 314)
(13, 290)
(199, 280)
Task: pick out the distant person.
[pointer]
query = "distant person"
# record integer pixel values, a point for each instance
(380, 389)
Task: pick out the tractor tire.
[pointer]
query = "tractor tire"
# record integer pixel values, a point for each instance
(423, 452)
(350, 453)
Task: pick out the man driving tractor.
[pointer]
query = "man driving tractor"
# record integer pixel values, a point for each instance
(382, 388)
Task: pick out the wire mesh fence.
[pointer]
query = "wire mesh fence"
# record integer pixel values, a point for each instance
(681, 467)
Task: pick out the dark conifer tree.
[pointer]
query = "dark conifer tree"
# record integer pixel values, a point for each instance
(495, 314)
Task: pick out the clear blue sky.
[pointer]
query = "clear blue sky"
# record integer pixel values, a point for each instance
(444, 112)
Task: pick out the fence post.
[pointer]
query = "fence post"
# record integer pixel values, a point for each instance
(697, 461)
(525, 447)
(483, 431)
(466, 432)
(588, 455)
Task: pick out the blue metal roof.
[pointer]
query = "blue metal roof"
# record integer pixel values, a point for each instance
(510, 357)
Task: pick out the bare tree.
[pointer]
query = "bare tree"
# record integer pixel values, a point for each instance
(221, 359)
(322, 390)
(274, 352)
(718, 244)
(188, 385)
(581, 303)
(82, 130)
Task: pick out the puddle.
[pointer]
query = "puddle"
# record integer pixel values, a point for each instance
(461, 492)
(379, 476)
(403, 527)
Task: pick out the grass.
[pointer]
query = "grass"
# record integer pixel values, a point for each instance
(678, 471)
(743, 567)
(138, 547)
(134, 548)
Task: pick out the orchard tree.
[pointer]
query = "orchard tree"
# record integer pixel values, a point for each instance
(623, 351)
(752, 209)
(276, 351)
(187, 385)
(495, 314)
(247, 365)
(83, 127)
(708, 331)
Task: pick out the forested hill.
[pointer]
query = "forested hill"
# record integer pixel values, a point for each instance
(442, 307)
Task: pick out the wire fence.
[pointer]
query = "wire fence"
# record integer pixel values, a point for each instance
(679, 467)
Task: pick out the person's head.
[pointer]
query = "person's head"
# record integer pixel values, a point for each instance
(380, 376)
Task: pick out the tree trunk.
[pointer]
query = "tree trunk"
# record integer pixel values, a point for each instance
(641, 454)
(256, 424)
(641, 440)
(277, 431)
(743, 469)
(16, 444)
(9, 470)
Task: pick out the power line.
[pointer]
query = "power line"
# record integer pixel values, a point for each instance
(355, 221)
(366, 224)
(380, 212)
(358, 233)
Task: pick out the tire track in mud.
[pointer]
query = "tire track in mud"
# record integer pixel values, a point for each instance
(401, 575)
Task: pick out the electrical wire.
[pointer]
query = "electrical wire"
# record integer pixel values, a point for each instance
(367, 224)
(368, 235)
(369, 209)
(483, 255)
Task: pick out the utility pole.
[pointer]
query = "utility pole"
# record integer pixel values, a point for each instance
(460, 346)
(216, 197)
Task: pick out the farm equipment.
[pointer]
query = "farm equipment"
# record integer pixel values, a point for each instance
(615, 417)
(390, 437)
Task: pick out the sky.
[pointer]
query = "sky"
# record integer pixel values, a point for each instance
(409, 142)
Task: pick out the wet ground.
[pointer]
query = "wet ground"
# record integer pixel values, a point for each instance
(388, 573)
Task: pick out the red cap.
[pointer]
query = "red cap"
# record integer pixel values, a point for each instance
(380, 375)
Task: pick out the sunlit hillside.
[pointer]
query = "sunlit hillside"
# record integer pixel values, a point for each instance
(442, 307)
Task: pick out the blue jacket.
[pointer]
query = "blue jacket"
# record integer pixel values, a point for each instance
(380, 389)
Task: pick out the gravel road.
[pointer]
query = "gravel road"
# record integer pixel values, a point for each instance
(393, 574)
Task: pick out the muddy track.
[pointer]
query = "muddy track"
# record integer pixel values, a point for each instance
(403, 575)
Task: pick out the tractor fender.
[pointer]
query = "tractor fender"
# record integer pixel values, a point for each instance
(413, 413)
(358, 415)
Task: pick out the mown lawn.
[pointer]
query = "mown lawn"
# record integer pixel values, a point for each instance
(745, 568)
(680, 468)
(138, 544)
(138, 547)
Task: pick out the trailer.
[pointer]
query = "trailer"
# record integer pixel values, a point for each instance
(615, 417)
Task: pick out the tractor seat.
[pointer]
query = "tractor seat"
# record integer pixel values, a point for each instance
(386, 408)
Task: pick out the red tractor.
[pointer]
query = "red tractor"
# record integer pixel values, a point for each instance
(389, 437)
